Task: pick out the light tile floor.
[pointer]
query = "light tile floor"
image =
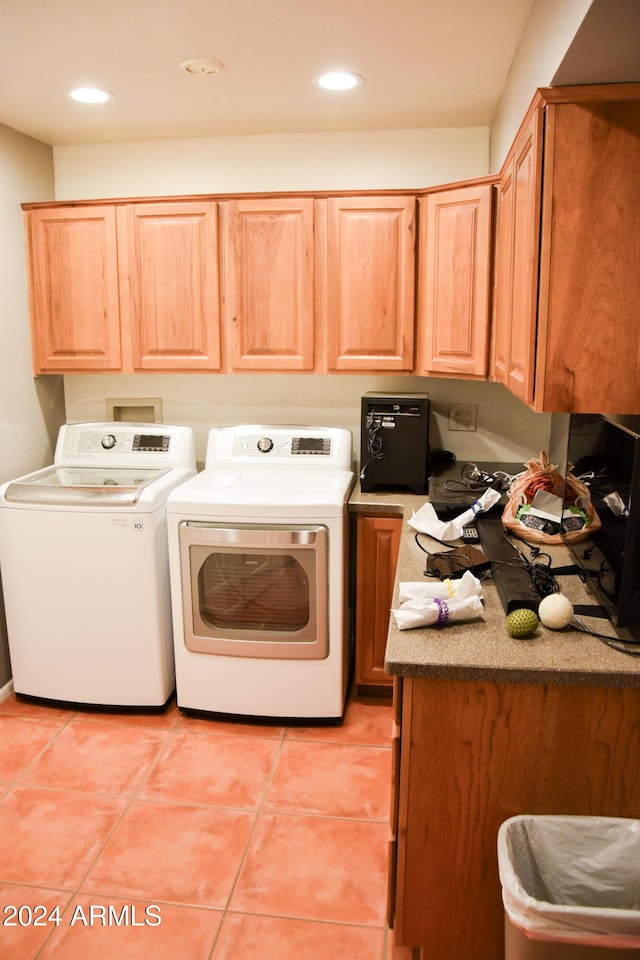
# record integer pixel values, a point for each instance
(132, 836)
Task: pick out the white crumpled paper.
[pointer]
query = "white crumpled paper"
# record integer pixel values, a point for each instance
(436, 604)
(426, 520)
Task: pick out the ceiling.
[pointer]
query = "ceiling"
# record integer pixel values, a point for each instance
(426, 63)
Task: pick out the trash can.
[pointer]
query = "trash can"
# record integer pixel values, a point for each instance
(570, 887)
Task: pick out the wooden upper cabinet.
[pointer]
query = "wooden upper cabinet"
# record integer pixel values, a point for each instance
(527, 174)
(169, 285)
(567, 284)
(589, 298)
(75, 314)
(503, 278)
(268, 283)
(517, 243)
(370, 283)
(454, 281)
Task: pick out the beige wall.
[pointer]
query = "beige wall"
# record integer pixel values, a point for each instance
(389, 159)
(547, 35)
(30, 411)
(506, 429)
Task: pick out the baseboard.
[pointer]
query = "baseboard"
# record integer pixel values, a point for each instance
(6, 691)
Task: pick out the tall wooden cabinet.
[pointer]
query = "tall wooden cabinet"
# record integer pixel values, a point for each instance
(124, 287)
(268, 283)
(454, 281)
(370, 283)
(567, 287)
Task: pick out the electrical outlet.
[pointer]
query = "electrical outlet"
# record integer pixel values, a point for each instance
(462, 416)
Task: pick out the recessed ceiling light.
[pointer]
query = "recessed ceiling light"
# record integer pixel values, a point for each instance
(90, 95)
(339, 80)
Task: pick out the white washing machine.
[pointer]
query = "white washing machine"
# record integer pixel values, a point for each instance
(85, 568)
(259, 573)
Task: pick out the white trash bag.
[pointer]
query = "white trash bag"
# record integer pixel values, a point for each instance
(572, 879)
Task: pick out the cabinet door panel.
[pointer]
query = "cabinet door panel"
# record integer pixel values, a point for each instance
(170, 299)
(377, 545)
(370, 283)
(517, 260)
(455, 261)
(268, 297)
(503, 289)
(74, 289)
(526, 233)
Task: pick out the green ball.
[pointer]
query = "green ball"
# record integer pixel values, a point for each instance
(521, 623)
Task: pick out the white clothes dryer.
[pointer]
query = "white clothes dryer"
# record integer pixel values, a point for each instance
(259, 572)
(85, 568)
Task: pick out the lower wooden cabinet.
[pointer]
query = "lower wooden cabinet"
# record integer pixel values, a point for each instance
(471, 754)
(377, 545)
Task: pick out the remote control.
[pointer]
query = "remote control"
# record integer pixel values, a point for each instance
(539, 523)
(572, 523)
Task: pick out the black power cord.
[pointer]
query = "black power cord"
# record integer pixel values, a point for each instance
(374, 443)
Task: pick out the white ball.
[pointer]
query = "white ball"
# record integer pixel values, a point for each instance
(555, 611)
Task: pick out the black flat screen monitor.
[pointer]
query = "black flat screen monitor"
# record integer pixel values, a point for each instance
(605, 453)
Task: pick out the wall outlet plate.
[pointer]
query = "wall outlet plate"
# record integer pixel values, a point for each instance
(463, 416)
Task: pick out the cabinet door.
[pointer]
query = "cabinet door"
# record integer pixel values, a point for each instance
(377, 545)
(527, 182)
(268, 291)
(370, 283)
(170, 298)
(75, 316)
(503, 283)
(454, 281)
(517, 260)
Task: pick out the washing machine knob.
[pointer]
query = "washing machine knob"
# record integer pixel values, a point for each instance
(265, 444)
(109, 441)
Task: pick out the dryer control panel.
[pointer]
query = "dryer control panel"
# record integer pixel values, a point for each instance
(301, 447)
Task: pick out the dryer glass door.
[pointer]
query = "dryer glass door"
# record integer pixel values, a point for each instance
(255, 591)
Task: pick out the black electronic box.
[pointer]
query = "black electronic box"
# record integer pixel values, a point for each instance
(394, 442)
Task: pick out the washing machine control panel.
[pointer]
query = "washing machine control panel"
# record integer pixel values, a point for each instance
(123, 442)
(124, 445)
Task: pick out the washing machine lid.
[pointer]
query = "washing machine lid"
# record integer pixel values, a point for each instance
(82, 486)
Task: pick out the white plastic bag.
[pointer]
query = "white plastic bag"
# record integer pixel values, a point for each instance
(572, 879)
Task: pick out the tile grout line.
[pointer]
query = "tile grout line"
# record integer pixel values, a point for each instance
(252, 832)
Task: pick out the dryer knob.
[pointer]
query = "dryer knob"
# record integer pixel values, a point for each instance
(265, 444)
(109, 441)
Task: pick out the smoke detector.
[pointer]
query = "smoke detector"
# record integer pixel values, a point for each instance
(202, 67)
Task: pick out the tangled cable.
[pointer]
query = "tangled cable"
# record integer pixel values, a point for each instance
(473, 479)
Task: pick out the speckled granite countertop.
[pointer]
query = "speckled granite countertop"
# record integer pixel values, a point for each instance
(482, 649)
